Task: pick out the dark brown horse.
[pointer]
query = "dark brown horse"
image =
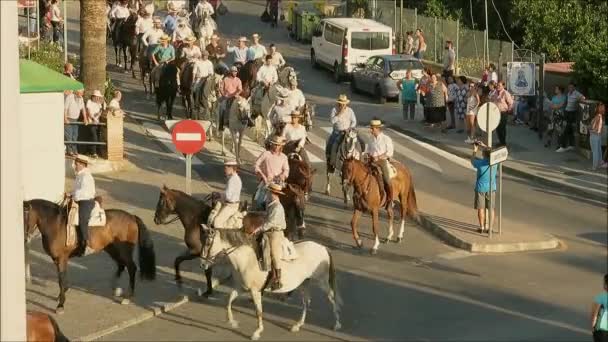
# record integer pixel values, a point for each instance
(299, 185)
(185, 88)
(117, 238)
(369, 197)
(248, 73)
(145, 69)
(43, 327)
(124, 38)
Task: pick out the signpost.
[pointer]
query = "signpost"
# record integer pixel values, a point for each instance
(189, 138)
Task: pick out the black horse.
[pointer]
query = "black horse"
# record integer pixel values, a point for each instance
(167, 89)
(118, 41)
(126, 39)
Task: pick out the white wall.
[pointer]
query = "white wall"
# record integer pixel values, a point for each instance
(43, 165)
(12, 262)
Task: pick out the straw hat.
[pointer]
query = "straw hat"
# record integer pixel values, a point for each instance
(275, 188)
(376, 123)
(190, 39)
(343, 99)
(156, 20)
(243, 39)
(283, 93)
(97, 93)
(296, 114)
(231, 162)
(82, 159)
(277, 140)
(164, 38)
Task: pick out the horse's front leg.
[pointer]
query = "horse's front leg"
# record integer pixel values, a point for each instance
(345, 194)
(353, 226)
(238, 147)
(185, 256)
(257, 301)
(375, 223)
(391, 217)
(61, 264)
(28, 272)
(124, 54)
(327, 183)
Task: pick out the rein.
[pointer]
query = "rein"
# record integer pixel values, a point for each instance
(223, 253)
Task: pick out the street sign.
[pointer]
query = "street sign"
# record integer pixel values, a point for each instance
(498, 155)
(188, 136)
(488, 117)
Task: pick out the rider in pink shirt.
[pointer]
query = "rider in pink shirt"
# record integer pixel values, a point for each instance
(272, 167)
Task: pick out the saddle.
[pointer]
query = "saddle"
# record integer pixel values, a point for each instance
(288, 251)
(97, 219)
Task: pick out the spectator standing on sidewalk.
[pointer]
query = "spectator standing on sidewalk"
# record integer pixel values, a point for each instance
(556, 117)
(574, 97)
(483, 188)
(599, 314)
(452, 94)
(493, 74)
(436, 98)
(68, 70)
(595, 136)
(460, 103)
(503, 100)
(409, 43)
(419, 44)
(422, 89)
(471, 113)
(408, 87)
(94, 109)
(73, 110)
(56, 20)
(449, 63)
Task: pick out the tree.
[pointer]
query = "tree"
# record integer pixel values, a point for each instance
(93, 44)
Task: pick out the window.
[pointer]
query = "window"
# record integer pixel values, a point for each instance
(333, 34)
(405, 65)
(370, 40)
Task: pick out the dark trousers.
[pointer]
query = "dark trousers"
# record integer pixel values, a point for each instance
(501, 130)
(567, 137)
(600, 336)
(56, 31)
(84, 214)
(452, 114)
(70, 133)
(94, 131)
(409, 107)
(274, 14)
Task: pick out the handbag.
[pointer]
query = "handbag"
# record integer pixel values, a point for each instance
(222, 9)
(265, 17)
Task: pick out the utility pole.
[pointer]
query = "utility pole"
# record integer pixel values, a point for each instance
(486, 37)
(65, 31)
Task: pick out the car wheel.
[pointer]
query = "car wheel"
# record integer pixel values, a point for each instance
(381, 98)
(337, 76)
(353, 86)
(313, 59)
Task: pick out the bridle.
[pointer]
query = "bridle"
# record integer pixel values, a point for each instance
(175, 218)
(208, 244)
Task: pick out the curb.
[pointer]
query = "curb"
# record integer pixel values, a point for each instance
(508, 169)
(152, 312)
(550, 243)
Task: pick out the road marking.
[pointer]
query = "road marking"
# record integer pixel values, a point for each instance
(188, 137)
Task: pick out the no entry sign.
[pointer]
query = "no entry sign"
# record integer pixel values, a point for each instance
(188, 136)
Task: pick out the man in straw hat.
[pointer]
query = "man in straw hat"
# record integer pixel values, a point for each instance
(266, 76)
(229, 204)
(274, 226)
(296, 99)
(380, 151)
(203, 68)
(84, 196)
(94, 108)
(295, 131)
(170, 21)
(144, 23)
(239, 53)
(280, 114)
(217, 53)
(74, 109)
(342, 119)
(270, 167)
(162, 54)
(256, 50)
(203, 6)
(190, 51)
(230, 88)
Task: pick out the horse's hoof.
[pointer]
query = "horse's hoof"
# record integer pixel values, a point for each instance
(337, 326)
(208, 295)
(399, 240)
(59, 310)
(295, 328)
(125, 301)
(199, 292)
(234, 324)
(373, 251)
(117, 292)
(255, 337)
(359, 244)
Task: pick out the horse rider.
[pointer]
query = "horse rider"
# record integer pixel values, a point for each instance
(342, 119)
(217, 53)
(266, 76)
(230, 88)
(280, 113)
(119, 13)
(296, 98)
(84, 196)
(274, 226)
(203, 6)
(181, 32)
(277, 58)
(190, 51)
(380, 151)
(162, 54)
(295, 131)
(271, 167)
(229, 204)
(256, 50)
(203, 68)
(151, 37)
(239, 53)
(144, 23)
(170, 21)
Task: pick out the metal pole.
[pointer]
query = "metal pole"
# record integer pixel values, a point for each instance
(65, 31)
(395, 19)
(415, 19)
(402, 36)
(499, 198)
(486, 38)
(457, 43)
(540, 96)
(489, 198)
(188, 174)
(435, 40)
(29, 35)
(38, 24)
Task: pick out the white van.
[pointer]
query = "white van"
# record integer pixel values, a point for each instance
(339, 44)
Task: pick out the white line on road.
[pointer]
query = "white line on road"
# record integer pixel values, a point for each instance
(188, 137)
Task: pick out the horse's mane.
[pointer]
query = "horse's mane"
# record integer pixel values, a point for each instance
(236, 237)
(46, 208)
(191, 201)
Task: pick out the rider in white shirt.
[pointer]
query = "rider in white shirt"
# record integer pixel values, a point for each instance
(380, 150)
(280, 114)
(256, 50)
(202, 6)
(342, 118)
(277, 59)
(230, 198)
(267, 74)
(144, 23)
(203, 68)
(295, 131)
(121, 11)
(191, 51)
(84, 195)
(296, 98)
(151, 37)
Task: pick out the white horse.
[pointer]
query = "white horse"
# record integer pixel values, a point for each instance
(208, 102)
(288, 76)
(314, 263)
(203, 27)
(263, 124)
(239, 115)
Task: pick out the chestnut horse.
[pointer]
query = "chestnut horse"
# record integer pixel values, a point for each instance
(117, 238)
(43, 327)
(368, 197)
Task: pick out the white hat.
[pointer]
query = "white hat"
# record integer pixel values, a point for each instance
(275, 188)
(243, 39)
(283, 93)
(376, 123)
(82, 159)
(97, 93)
(343, 99)
(277, 140)
(230, 162)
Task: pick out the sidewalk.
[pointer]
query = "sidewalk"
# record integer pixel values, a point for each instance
(568, 172)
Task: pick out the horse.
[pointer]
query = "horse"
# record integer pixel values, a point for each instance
(368, 197)
(192, 213)
(167, 89)
(145, 68)
(43, 327)
(208, 101)
(248, 73)
(117, 238)
(203, 26)
(299, 185)
(239, 118)
(287, 76)
(125, 38)
(346, 149)
(263, 124)
(186, 78)
(314, 263)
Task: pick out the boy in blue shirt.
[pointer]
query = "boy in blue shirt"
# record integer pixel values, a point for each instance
(599, 314)
(482, 187)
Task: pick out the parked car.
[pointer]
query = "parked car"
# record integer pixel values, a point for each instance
(339, 44)
(379, 75)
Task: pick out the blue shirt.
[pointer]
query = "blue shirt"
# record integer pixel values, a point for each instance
(408, 91)
(483, 175)
(169, 24)
(238, 54)
(602, 323)
(559, 99)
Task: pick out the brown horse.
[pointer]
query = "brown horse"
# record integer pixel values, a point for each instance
(117, 238)
(185, 88)
(248, 73)
(42, 327)
(369, 197)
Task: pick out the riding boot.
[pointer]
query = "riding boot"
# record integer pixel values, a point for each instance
(276, 281)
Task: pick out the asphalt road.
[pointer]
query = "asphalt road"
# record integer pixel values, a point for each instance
(420, 289)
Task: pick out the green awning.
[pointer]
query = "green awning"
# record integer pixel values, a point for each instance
(36, 78)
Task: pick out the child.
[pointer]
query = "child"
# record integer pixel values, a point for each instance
(595, 136)
(115, 103)
(471, 113)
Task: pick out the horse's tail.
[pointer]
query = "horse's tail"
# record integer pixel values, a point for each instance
(333, 286)
(147, 257)
(59, 336)
(412, 205)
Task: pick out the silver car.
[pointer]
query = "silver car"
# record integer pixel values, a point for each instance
(379, 75)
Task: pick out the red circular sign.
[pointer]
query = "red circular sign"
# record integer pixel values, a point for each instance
(188, 136)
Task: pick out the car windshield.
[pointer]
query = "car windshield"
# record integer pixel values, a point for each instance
(370, 40)
(405, 65)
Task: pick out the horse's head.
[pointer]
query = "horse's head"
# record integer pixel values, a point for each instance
(165, 205)
(223, 242)
(30, 219)
(349, 147)
(348, 170)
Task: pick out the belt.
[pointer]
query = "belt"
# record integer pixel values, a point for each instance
(232, 202)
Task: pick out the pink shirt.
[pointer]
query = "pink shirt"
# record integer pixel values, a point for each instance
(503, 100)
(231, 86)
(272, 165)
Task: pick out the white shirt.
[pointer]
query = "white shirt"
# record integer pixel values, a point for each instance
(296, 99)
(275, 217)
(152, 36)
(291, 133)
(120, 12)
(450, 57)
(202, 69)
(343, 122)
(56, 13)
(94, 110)
(192, 52)
(181, 33)
(84, 188)
(73, 105)
(143, 24)
(114, 104)
(234, 185)
(380, 145)
(494, 76)
(203, 6)
(267, 73)
(277, 59)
